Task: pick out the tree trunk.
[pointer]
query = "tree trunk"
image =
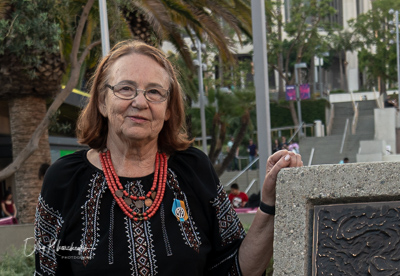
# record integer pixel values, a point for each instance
(341, 71)
(25, 115)
(312, 76)
(244, 122)
(346, 80)
(214, 138)
(382, 87)
(293, 113)
(221, 139)
(282, 90)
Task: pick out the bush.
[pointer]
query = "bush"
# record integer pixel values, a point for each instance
(17, 263)
(337, 91)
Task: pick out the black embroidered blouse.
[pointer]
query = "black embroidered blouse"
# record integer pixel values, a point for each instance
(80, 230)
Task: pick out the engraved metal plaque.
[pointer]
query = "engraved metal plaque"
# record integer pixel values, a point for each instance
(357, 239)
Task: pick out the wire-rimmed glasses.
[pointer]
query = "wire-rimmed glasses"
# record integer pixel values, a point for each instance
(128, 92)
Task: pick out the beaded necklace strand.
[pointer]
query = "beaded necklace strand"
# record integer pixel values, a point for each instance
(153, 198)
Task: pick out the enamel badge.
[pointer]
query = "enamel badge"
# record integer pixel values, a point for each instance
(179, 210)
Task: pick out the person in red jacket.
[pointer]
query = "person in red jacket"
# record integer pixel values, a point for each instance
(237, 197)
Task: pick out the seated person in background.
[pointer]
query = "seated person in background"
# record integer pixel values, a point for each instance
(8, 208)
(237, 198)
(285, 144)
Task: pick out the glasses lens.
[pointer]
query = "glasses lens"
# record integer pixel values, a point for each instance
(128, 92)
(125, 91)
(156, 94)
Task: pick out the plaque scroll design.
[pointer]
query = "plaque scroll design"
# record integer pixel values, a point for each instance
(357, 239)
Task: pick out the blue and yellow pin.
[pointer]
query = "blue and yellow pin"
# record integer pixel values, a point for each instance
(179, 210)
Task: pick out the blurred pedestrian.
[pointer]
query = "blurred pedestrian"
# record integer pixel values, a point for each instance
(252, 150)
(276, 146)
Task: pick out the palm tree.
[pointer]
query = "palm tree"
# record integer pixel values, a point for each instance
(33, 48)
(31, 69)
(155, 21)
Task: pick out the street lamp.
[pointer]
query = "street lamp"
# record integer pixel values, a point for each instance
(396, 15)
(198, 63)
(298, 66)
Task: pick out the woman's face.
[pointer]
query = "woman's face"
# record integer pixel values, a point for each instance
(136, 120)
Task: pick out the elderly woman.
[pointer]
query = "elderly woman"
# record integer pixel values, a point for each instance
(141, 201)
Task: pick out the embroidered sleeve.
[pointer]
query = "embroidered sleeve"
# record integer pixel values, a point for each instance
(48, 224)
(230, 235)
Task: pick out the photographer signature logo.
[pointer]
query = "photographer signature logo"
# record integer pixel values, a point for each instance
(53, 246)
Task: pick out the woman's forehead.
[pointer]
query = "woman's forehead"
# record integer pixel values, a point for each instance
(138, 67)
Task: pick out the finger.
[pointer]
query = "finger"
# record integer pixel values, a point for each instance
(274, 158)
(296, 161)
(283, 162)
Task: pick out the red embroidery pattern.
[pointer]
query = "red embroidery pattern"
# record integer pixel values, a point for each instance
(48, 224)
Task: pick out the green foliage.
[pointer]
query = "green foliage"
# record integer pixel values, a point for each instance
(17, 262)
(30, 30)
(303, 39)
(270, 268)
(374, 29)
(337, 91)
(311, 110)
(56, 126)
(63, 122)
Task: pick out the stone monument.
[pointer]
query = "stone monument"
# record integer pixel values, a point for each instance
(338, 220)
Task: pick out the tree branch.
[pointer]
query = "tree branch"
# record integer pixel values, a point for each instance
(78, 35)
(86, 51)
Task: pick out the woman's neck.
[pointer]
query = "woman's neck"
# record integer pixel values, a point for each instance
(133, 161)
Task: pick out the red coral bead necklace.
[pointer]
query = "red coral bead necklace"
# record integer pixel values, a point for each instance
(152, 199)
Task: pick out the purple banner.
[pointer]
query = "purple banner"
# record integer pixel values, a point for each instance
(305, 91)
(290, 93)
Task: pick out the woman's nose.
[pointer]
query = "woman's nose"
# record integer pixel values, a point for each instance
(140, 100)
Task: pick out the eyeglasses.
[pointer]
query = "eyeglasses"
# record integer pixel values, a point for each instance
(129, 92)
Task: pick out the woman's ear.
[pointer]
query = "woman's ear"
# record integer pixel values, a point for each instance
(102, 108)
(167, 114)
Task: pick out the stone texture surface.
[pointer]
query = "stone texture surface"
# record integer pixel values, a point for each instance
(300, 189)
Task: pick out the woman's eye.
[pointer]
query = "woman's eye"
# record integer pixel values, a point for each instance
(127, 88)
(153, 91)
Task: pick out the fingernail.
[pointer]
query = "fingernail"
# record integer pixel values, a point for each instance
(287, 157)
